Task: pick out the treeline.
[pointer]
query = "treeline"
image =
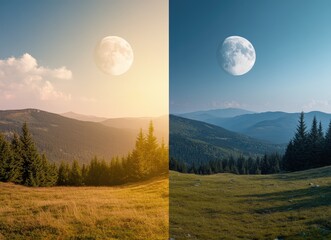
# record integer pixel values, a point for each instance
(21, 163)
(308, 149)
(268, 164)
(147, 160)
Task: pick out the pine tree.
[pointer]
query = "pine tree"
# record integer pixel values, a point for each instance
(327, 148)
(320, 132)
(258, 165)
(313, 146)
(117, 174)
(7, 167)
(75, 176)
(320, 146)
(49, 173)
(265, 165)
(31, 160)
(162, 159)
(16, 149)
(151, 146)
(84, 174)
(138, 164)
(296, 155)
(63, 174)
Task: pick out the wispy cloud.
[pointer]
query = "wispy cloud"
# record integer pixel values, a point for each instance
(227, 104)
(320, 105)
(22, 78)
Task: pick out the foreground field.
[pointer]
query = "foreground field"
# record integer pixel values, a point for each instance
(227, 206)
(138, 211)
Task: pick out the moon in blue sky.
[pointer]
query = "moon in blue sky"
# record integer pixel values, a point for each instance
(236, 55)
(113, 55)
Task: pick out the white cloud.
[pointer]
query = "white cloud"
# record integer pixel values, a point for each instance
(22, 78)
(48, 93)
(227, 104)
(317, 105)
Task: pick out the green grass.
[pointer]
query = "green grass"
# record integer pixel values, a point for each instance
(136, 211)
(227, 206)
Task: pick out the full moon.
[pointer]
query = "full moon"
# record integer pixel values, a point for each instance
(236, 55)
(113, 55)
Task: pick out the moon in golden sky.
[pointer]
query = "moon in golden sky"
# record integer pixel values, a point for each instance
(114, 55)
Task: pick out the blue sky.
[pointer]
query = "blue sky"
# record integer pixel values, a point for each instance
(55, 41)
(292, 40)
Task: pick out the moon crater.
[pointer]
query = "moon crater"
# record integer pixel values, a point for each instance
(236, 55)
(113, 55)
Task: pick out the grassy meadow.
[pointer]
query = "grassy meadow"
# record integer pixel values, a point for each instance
(227, 206)
(133, 211)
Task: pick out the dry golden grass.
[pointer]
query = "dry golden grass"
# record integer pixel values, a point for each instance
(136, 211)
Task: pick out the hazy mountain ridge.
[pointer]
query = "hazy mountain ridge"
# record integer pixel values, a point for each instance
(63, 138)
(192, 140)
(161, 124)
(81, 117)
(214, 113)
(276, 127)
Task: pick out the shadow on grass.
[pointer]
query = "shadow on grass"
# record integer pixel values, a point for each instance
(300, 175)
(292, 200)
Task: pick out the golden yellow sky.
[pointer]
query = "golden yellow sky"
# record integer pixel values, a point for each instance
(53, 67)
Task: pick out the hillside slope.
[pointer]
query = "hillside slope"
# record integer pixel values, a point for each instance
(192, 141)
(63, 138)
(227, 206)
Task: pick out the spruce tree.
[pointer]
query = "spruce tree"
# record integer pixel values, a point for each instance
(320, 132)
(63, 174)
(75, 175)
(49, 173)
(16, 148)
(137, 159)
(84, 174)
(31, 160)
(300, 147)
(151, 146)
(327, 148)
(265, 165)
(313, 146)
(162, 159)
(8, 171)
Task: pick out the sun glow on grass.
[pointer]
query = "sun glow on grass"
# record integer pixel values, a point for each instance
(135, 211)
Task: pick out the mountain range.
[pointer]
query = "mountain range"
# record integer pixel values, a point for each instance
(192, 140)
(215, 113)
(63, 138)
(215, 133)
(274, 127)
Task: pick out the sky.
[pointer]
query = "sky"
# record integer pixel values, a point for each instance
(292, 40)
(47, 56)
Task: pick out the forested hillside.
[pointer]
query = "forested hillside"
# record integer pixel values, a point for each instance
(62, 138)
(22, 163)
(195, 141)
